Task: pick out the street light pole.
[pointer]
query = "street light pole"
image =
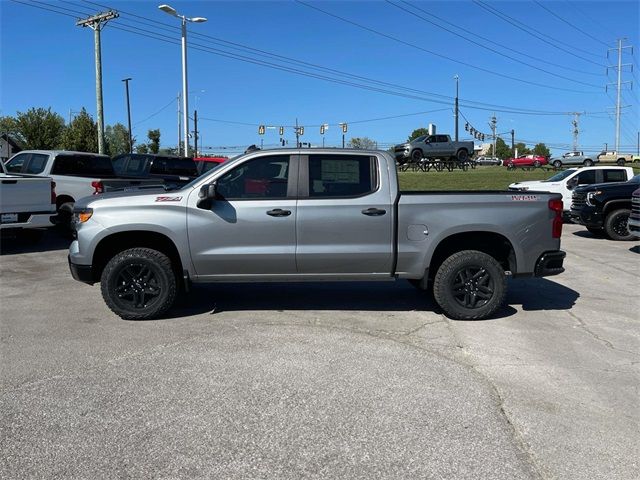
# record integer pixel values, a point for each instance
(185, 95)
(456, 108)
(126, 84)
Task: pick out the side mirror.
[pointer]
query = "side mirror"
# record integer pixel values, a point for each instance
(573, 183)
(207, 195)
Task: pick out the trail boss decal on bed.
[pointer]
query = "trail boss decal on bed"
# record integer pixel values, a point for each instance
(168, 199)
(524, 198)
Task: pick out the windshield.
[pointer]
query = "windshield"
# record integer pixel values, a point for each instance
(560, 176)
(419, 139)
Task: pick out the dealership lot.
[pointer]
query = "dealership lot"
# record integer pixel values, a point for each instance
(322, 381)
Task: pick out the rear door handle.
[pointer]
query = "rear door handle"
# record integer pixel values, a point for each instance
(278, 212)
(374, 212)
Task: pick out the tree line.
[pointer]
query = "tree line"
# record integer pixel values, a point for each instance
(42, 129)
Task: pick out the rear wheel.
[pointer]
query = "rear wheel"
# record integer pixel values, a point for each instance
(536, 163)
(616, 225)
(470, 285)
(462, 155)
(139, 284)
(620, 161)
(587, 163)
(557, 164)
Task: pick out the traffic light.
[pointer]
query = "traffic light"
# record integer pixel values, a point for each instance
(281, 131)
(301, 130)
(261, 130)
(322, 129)
(466, 126)
(344, 128)
(483, 137)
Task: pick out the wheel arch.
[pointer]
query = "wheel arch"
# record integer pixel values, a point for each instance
(612, 205)
(115, 243)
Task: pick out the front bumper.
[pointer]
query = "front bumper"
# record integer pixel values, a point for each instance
(587, 216)
(81, 273)
(550, 263)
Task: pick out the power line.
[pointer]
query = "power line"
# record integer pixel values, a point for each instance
(470, 40)
(412, 45)
(156, 113)
(519, 25)
(587, 34)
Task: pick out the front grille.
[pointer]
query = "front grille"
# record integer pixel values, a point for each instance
(635, 207)
(578, 200)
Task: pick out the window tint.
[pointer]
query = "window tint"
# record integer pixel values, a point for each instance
(174, 166)
(442, 138)
(615, 176)
(15, 164)
(587, 178)
(118, 163)
(264, 177)
(341, 175)
(82, 165)
(37, 163)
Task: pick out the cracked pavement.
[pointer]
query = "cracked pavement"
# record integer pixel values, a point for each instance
(365, 380)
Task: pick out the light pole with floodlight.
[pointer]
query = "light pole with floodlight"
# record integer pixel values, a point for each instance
(185, 101)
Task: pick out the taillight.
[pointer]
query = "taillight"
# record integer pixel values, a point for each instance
(556, 206)
(53, 192)
(98, 187)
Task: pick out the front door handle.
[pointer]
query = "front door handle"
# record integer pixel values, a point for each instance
(374, 212)
(278, 212)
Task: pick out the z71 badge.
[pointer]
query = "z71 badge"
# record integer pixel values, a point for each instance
(524, 198)
(168, 199)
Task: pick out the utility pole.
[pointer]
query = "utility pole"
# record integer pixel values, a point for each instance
(195, 132)
(456, 107)
(297, 135)
(576, 130)
(179, 124)
(619, 84)
(96, 22)
(126, 83)
(493, 124)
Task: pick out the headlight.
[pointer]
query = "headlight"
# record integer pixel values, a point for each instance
(591, 196)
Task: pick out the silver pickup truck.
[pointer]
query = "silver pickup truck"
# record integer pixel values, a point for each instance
(433, 147)
(313, 215)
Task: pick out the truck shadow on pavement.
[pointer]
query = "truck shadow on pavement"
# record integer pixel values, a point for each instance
(51, 239)
(532, 294)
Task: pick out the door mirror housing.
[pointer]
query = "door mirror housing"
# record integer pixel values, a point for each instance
(573, 183)
(207, 195)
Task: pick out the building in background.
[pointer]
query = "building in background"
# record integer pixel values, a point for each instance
(8, 147)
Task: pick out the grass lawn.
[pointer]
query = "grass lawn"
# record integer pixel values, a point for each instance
(480, 178)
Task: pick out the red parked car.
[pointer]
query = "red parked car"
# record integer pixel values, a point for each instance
(208, 163)
(529, 160)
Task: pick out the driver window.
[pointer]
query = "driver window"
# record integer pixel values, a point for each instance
(262, 178)
(16, 163)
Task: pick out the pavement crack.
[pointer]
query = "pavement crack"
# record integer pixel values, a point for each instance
(583, 326)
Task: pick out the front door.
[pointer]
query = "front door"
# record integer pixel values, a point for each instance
(344, 216)
(249, 230)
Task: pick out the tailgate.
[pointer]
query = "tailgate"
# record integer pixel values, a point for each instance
(25, 194)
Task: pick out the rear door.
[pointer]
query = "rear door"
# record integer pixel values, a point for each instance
(344, 223)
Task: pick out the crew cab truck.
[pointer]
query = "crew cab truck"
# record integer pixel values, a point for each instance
(566, 181)
(313, 215)
(634, 218)
(76, 175)
(574, 158)
(617, 157)
(605, 208)
(433, 147)
(26, 201)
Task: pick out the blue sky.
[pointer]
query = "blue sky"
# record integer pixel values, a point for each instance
(47, 61)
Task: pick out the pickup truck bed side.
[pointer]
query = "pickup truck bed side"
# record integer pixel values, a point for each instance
(318, 214)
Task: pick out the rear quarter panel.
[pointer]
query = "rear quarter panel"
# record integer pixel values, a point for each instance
(525, 220)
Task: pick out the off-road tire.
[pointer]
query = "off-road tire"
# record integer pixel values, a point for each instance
(456, 277)
(557, 164)
(462, 155)
(588, 163)
(416, 155)
(135, 272)
(616, 225)
(597, 232)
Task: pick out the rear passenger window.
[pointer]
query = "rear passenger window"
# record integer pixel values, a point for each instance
(37, 163)
(615, 176)
(587, 178)
(82, 165)
(341, 175)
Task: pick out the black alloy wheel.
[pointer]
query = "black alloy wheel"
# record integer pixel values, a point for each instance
(616, 225)
(462, 155)
(417, 156)
(473, 287)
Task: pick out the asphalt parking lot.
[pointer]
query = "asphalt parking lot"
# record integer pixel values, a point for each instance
(323, 380)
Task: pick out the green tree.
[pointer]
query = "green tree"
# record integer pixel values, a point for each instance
(502, 150)
(142, 148)
(39, 128)
(154, 140)
(522, 149)
(9, 126)
(81, 134)
(116, 139)
(541, 149)
(363, 143)
(418, 132)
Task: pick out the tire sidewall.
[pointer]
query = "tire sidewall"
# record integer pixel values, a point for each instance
(612, 218)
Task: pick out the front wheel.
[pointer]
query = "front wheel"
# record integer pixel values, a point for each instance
(616, 225)
(536, 163)
(470, 285)
(139, 284)
(416, 156)
(587, 163)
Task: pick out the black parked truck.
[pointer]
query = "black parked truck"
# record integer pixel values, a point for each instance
(172, 171)
(604, 208)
